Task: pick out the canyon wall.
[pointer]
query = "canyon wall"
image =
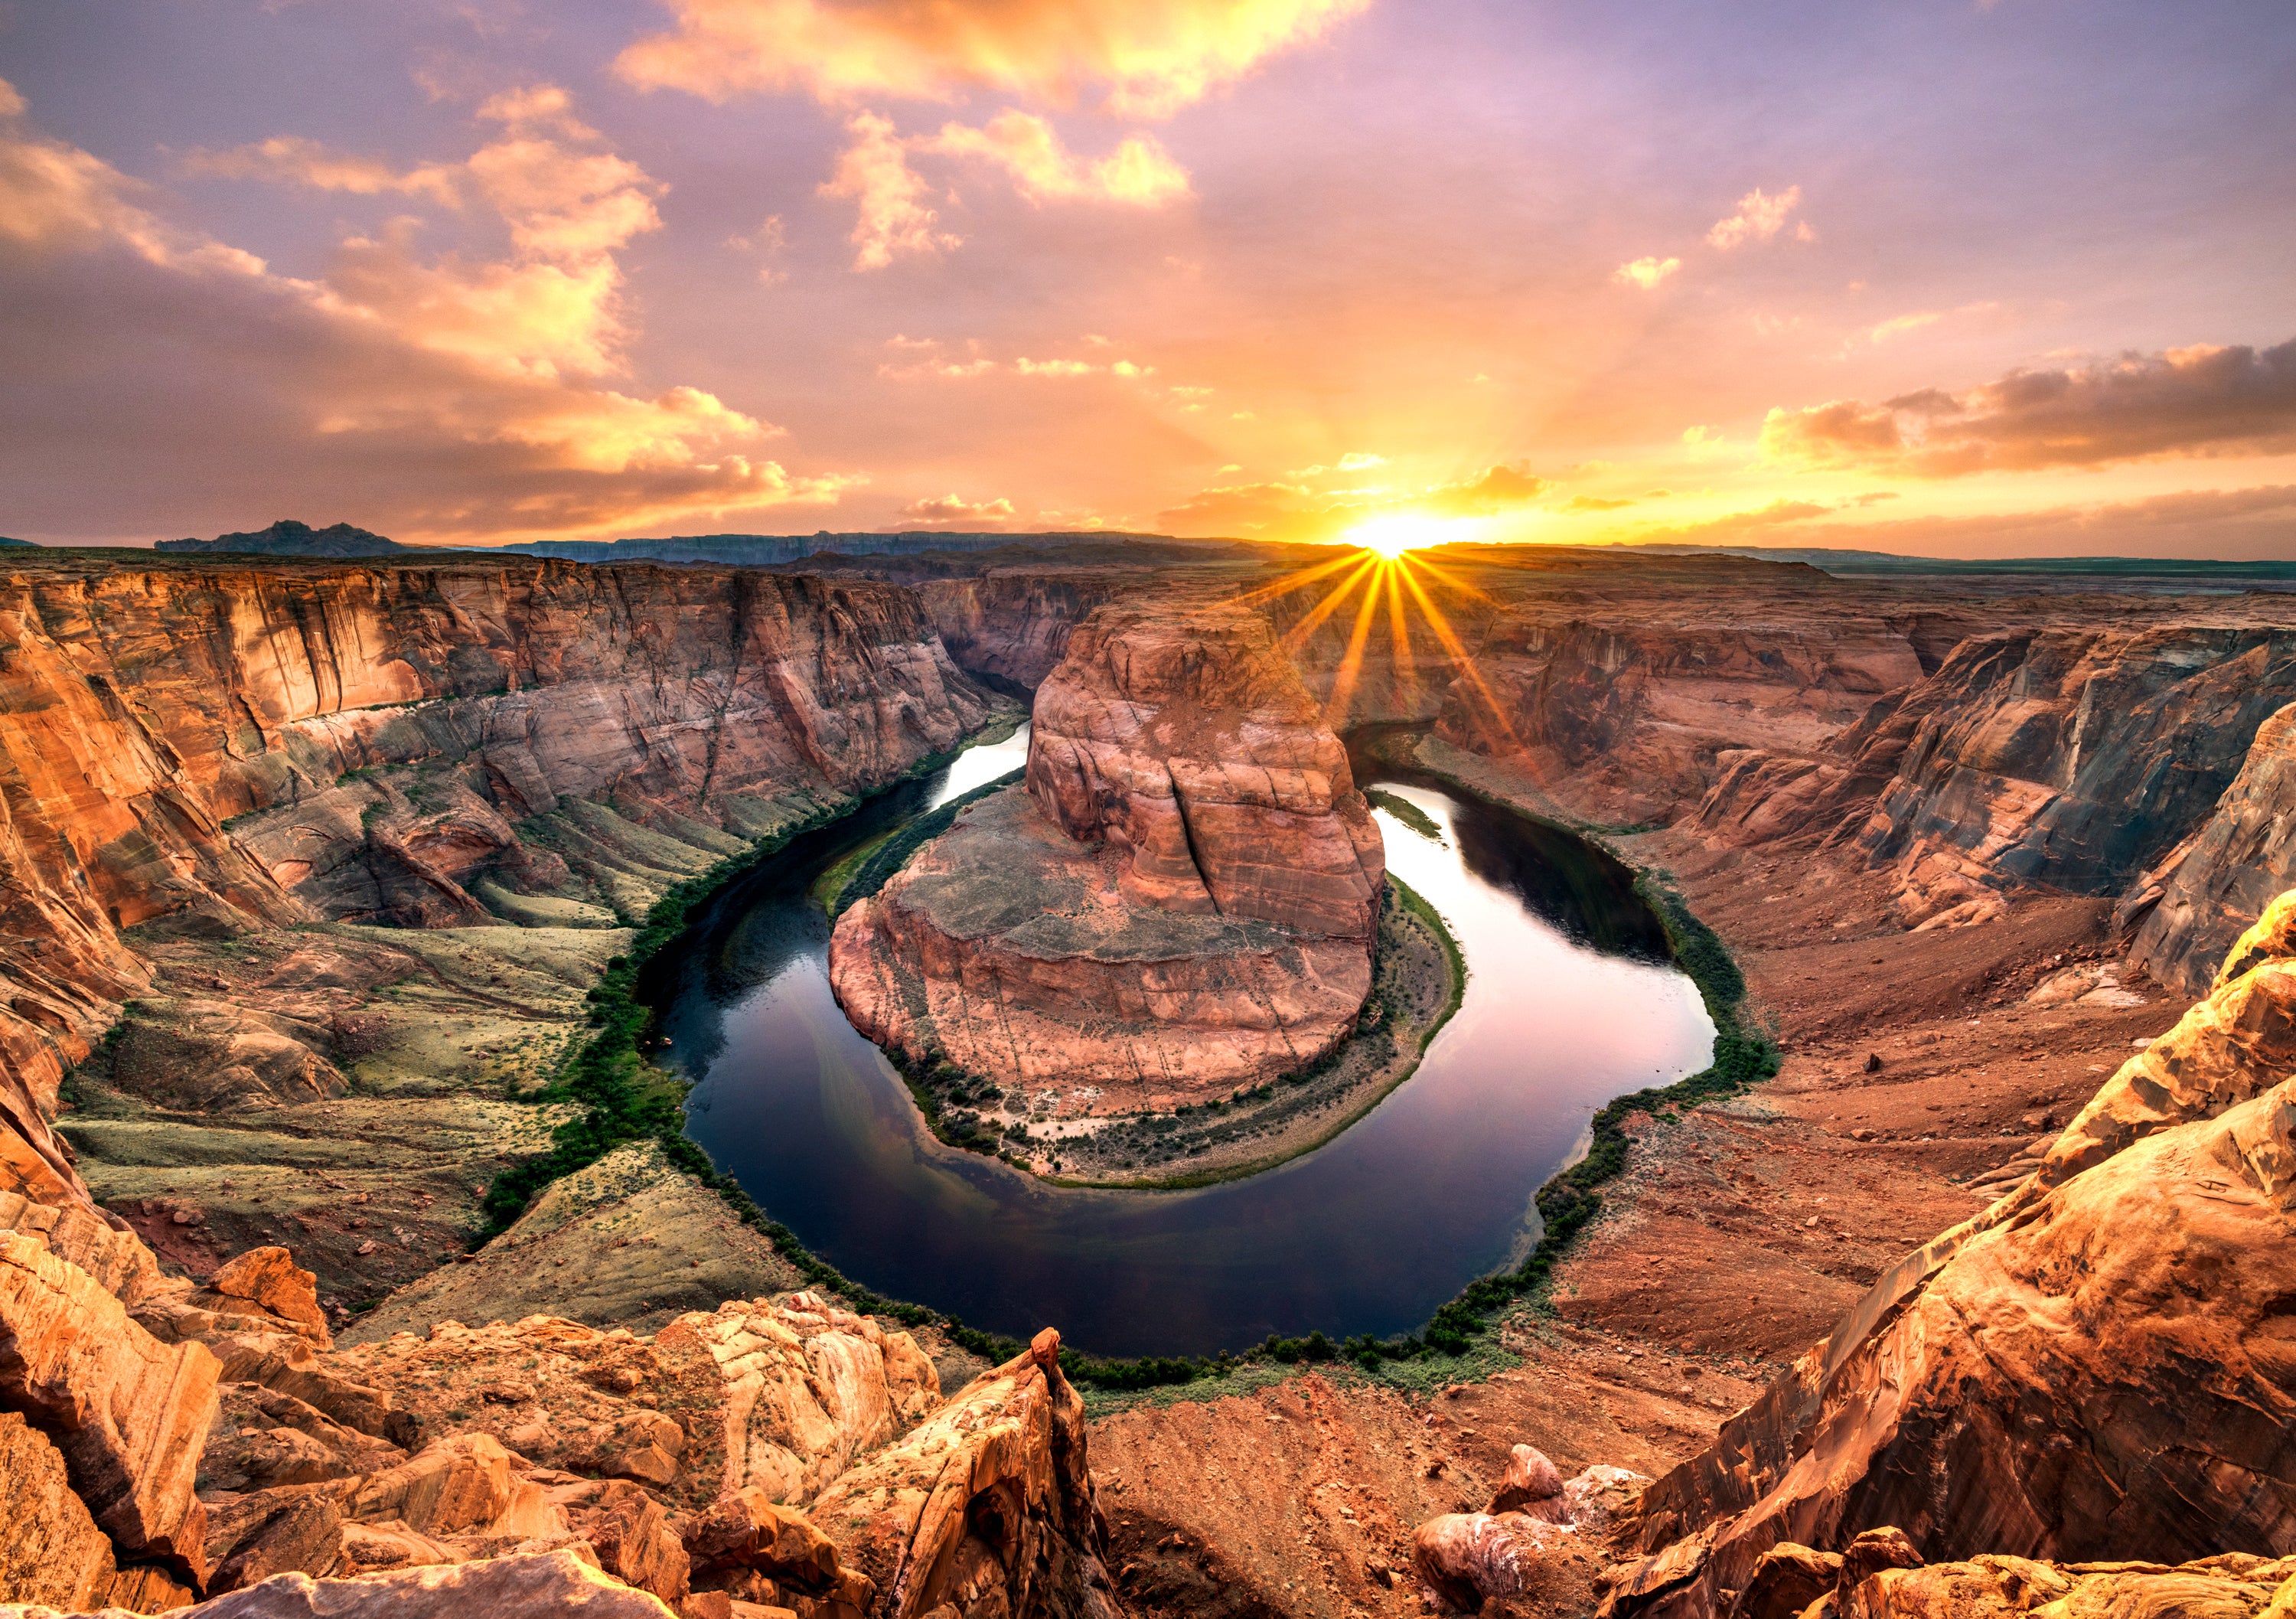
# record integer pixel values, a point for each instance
(1013, 624)
(2092, 1368)
(1628, 713)
(193, 751)
(1181, 901)
(2188, 909)
(2066, 759)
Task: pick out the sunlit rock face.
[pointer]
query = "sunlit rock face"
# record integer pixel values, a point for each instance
(1182, 898)
(1191, 743)
(2093, 1368)
(205, 749)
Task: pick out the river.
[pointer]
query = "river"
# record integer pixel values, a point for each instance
(1567, 1006)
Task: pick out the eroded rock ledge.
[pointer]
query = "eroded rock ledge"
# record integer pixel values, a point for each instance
(1180, 901)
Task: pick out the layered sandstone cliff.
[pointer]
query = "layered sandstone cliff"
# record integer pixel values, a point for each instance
(2090, 1369)
(1629, 713)
(2072, 759)
(2188, 909)
(235, 794)
(1182, 900)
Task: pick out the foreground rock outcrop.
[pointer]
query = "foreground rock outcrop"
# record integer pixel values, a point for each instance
(1180, 901)
(792, 1456)
(2094, 1369)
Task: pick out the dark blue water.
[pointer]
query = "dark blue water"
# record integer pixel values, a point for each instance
(1565, 1009)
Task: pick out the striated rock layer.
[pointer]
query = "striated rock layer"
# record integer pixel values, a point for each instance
(1182, 900)
(2190, 907)
(2093, 1368)
(201, 749)
(2071, 758)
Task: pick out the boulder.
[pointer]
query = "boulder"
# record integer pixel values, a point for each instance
(987, 1502)
(636, 1543)
(1473, 1556)
(1530, 1479)
(542, 1585)
(458, 1483)
(1787, 1580)
(128, 1413)
(264, 1288)
(744, 1530)
(274, 1532)
(799, 1390)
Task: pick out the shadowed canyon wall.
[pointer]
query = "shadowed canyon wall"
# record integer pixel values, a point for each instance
(199, 750)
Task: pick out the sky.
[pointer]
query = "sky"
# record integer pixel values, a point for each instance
(1965, 278)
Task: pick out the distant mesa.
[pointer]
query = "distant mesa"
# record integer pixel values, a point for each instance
(289, 537)
(5, 541)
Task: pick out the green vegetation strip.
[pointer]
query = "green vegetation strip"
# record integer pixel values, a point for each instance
(1403, 809)
(862, 874)
(626, 1099)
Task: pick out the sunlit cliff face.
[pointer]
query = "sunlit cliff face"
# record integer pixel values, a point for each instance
(1968, 278)
(1391, 598)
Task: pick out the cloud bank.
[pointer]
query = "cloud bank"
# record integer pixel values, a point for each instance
(2202, 401)
(452, 394)
(1146, 58)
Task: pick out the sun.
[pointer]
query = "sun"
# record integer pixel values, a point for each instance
(1390, 537)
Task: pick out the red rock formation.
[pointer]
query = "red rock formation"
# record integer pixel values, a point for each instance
(1182, 902)
(1014, 623)
(2091, 1368)
(2072, 757)
(128, 1413)
(2190, 908)
(986, 1508)
(1629, 712)
(1186, 740)
(142, 708)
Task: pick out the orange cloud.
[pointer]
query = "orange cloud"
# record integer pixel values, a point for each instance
(1139, 172)
(874, 171)
(1297, 511)
(2201, 401)
(955, 509)
(1645, 272)
(292, 159)
(55, 197)
(1496, 491)
(1760, 217)
(1149, 56)
(478, 380)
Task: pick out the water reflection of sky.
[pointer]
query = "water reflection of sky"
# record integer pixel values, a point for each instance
(1368, 1233)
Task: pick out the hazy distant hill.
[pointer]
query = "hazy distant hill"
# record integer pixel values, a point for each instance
(1854, 563)
(763, 550)
(289, 537)
(5, 541)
